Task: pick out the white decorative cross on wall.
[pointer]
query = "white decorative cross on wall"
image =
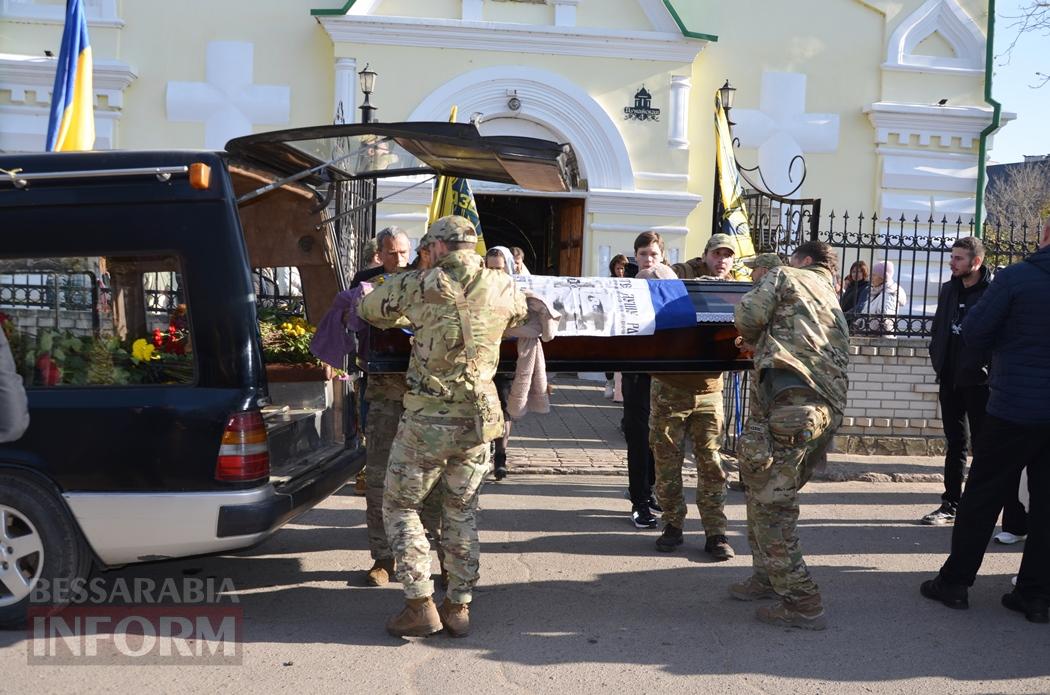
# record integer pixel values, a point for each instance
(227, 101)
(781, 130)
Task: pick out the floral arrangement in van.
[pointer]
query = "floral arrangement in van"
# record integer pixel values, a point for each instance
(286, 340)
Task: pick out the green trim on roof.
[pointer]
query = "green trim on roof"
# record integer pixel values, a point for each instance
(331, 12)
(667, 3)
(681, 25)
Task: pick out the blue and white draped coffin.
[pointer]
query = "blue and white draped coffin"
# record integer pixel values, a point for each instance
(616, 324)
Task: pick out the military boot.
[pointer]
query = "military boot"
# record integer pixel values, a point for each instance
(455, 617)
(419, 618)
(807, 614)
(718, 547)
(752, 589)
(381, 573)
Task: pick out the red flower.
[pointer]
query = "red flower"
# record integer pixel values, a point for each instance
(48, 369)
(158, 338)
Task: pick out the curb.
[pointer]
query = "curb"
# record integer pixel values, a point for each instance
(835, 474)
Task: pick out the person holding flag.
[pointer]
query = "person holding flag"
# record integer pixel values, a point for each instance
(71, 126)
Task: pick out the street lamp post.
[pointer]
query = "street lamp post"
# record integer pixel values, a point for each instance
(368, 83)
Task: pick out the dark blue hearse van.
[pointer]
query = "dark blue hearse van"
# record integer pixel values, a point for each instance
(131, 285)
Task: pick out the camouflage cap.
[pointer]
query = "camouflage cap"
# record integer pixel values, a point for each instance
(764, 260)
(720, 241)
(452, 228)
(425, 240)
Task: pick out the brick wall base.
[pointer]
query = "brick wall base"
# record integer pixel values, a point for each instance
(892, 407)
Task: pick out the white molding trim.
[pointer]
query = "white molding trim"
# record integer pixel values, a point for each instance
(887, 151)
(99, 13)
(23, 73)
(546, 98)
(928, 122)
(664, 230)
(651, 203)
(24, 128)
(655, 180)
(914, 171)
(513, 38)
(944, 17)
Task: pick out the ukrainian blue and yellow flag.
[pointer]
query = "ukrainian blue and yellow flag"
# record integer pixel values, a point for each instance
(72, 123)
(733, 218)
(452, 196)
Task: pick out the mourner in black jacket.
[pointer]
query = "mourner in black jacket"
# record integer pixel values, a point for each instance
(1011, 321)
(961, 372)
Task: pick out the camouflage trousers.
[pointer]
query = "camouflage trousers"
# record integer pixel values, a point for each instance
(447, 454)
(779, 449)
(380, 430)
(676, 413)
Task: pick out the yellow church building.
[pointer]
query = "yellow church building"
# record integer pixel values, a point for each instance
(881, 104)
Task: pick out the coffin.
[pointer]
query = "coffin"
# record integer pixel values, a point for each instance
(706, 346)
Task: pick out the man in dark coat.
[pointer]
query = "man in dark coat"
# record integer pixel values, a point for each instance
(962, 374)
(1011, 322)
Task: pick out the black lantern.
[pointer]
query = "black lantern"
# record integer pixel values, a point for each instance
(368, 83)
(727, 93)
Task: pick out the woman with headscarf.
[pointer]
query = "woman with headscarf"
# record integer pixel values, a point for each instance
(886, 299)
(500, 258)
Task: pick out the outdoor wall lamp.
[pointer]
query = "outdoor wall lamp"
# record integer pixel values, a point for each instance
(368, 83)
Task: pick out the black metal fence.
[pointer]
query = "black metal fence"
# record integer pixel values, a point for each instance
(913, 254)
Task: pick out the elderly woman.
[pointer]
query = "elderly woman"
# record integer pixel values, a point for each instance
(886, 300)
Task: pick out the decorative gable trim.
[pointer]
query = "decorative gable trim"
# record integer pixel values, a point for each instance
(944, 17)
(511, 38)
(929, 122)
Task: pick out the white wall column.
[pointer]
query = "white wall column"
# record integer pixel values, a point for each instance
(345, 91)
(565, 12)
(472, 10)
(678, 124)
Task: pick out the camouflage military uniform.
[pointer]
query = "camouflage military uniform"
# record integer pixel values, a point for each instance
(792, 317)
(384, 394)
(451, 409)
(681, 405)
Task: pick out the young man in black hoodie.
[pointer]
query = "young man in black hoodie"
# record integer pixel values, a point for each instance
(962, 374)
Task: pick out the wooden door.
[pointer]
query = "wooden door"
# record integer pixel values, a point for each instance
(569, 221)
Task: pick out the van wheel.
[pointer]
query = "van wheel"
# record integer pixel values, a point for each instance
(38, 541)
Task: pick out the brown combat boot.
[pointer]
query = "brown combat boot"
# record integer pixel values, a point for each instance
(455, 617)
(751, 589)
(807, 614)
(381, 573)
(718, 548)
(419, 618)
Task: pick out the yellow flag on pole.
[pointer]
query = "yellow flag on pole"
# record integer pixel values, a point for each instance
(452, 196)
(733, 220)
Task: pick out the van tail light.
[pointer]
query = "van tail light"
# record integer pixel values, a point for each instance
(245, 452)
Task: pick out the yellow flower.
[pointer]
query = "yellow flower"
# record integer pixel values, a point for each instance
(142, 351)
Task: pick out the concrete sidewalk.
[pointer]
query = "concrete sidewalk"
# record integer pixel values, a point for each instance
(581, 436)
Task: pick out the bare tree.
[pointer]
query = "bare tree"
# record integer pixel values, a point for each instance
(1017, 204)
(1034, 18)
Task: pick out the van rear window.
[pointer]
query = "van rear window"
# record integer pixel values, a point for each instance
(97, 320)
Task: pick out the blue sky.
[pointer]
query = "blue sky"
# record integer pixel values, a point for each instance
(1030, 133)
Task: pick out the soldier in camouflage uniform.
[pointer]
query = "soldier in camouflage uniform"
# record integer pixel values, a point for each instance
(691, 405)
(383, 396)
(792, 322)
(458, 311)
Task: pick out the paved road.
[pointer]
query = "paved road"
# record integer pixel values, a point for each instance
(575, 600)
